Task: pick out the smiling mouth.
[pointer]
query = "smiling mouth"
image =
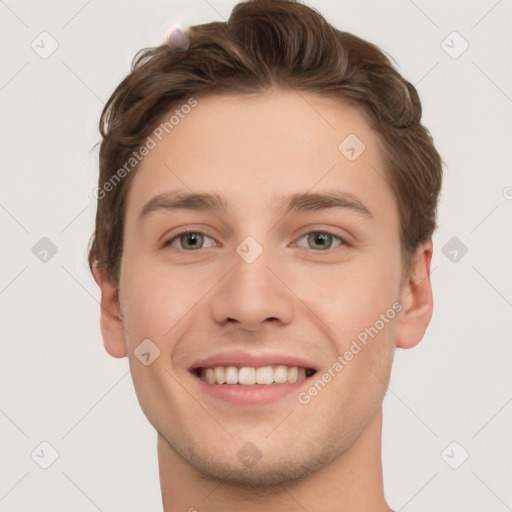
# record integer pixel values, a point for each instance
(252, 376)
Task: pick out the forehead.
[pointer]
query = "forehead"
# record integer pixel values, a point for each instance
(257, 147)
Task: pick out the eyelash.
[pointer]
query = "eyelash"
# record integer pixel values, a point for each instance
(186, 232)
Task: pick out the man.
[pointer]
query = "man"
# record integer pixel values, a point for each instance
(266, 203)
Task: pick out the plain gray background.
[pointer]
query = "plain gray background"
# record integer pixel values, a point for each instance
(59, 386)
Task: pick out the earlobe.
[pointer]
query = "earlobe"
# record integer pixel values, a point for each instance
(111, 324)
(416, 300)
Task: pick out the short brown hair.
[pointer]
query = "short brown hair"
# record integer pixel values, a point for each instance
(267, 44)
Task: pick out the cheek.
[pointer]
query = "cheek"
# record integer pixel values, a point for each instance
(148, 304)
(352, 297)
(156, 298)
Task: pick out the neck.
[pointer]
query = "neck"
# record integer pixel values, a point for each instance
(353, 482)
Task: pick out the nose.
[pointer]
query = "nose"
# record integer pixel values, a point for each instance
(252, 296)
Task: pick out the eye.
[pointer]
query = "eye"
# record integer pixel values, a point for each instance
(320, 240)
(188, 241)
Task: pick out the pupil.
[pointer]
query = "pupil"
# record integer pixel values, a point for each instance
(192, 239)
(320, 239)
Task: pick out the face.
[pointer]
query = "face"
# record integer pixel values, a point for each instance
(289, 261)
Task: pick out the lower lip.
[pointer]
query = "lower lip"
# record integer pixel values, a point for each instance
(258, 394)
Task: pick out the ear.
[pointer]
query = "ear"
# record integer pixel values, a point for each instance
(416, 300)
(111, 325)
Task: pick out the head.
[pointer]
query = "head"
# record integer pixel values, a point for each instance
(258, 113)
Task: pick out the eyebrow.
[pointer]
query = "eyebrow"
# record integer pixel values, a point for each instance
(216, 203)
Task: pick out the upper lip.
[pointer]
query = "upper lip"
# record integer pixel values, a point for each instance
(241, 358)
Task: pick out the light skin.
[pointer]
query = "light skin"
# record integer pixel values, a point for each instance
(305, 296)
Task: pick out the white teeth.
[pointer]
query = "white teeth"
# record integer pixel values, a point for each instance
(264, 375)
(220, 375)
(210, 376)
(231, 375)
(249, 376)
(293, 373)
(281, 374)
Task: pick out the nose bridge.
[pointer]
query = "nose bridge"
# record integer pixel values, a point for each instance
(251, 294)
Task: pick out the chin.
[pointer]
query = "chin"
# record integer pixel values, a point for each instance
(279, 469)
